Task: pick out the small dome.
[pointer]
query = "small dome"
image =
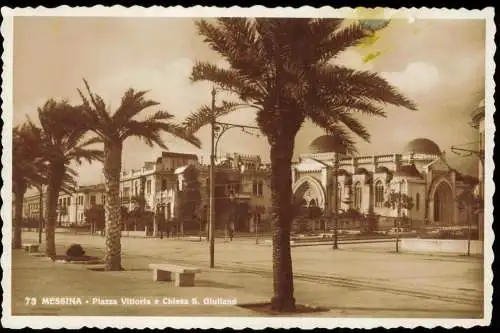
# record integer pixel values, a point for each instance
(360, 171)
(422, 146)
(327, 144)
(408, 171)
(382, 169)
(343, 172)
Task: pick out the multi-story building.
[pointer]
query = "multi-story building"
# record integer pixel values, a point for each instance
(31, 206)
(161, 182)
(157, 182)
(70, 207)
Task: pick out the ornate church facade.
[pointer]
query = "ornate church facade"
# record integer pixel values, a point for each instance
(365, 183)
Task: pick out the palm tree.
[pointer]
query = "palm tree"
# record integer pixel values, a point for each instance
(26, 169)
(62, 141)
(284, 69)
(113, 129)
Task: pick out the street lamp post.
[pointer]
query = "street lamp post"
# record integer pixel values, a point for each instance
(217, 129)
(212, 184)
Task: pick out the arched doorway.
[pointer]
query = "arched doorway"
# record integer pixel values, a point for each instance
(443, 204)
(309, 189)
(309, 200)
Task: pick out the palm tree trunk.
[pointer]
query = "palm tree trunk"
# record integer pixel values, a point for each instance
(19, 191)
(54, 185)
(112, 169)
(281, 198)
(40, 223)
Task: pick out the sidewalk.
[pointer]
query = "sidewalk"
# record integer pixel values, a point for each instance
(358, 284)
(38, 277)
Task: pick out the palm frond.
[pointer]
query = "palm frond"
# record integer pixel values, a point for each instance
(334, 129)
(80, 154)
(362, 85)
(91, 119)
(133, 102)
(98, 107)
(235, 40)
(245, 55)
(160, 115)
(229, 80)
(354, 125)
(339, 41)
(89, 142)
(69, 182)
(204, 115)
(28, 164)
(150, 132)
(349, 103)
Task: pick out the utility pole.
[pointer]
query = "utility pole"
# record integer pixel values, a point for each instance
(212, 182)
(335, 201)
(398, 222)
(256, 225)
(468, 229)
(217, 130)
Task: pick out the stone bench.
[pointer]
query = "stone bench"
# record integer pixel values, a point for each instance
(31, 248)
(183, 276)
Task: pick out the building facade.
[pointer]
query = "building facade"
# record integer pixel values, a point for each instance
(161, 182)
(70, 207)
(325, 178)
(364, 183)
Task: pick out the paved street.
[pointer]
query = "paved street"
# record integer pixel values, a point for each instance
(357, 280)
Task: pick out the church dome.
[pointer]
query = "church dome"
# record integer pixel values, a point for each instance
(327, 144)
(408, 171)
(422, 146)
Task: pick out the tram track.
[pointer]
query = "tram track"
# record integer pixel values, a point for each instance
(434, 293)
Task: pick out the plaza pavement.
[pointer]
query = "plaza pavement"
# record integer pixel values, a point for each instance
(358, 280)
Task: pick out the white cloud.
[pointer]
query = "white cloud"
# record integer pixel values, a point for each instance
(416, 78)
(354, 60)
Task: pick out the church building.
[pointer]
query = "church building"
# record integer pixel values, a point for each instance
(420, 173)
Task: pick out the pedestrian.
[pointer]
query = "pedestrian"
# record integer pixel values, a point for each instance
(231, 234)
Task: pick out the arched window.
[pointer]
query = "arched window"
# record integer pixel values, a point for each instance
(339, 194)
(357, 195)
(437, 204)
(403, 186)
(417, 201)
(379, 194)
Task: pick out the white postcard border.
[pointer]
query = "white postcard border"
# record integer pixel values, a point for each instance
(236, 322)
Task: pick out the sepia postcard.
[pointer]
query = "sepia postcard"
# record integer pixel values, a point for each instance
(237, 167)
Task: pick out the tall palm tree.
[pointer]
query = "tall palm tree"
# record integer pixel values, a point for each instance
(113, 129)
(26, 169)
(63, 140)
(285, 70)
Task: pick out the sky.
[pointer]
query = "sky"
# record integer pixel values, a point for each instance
(439, 64)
